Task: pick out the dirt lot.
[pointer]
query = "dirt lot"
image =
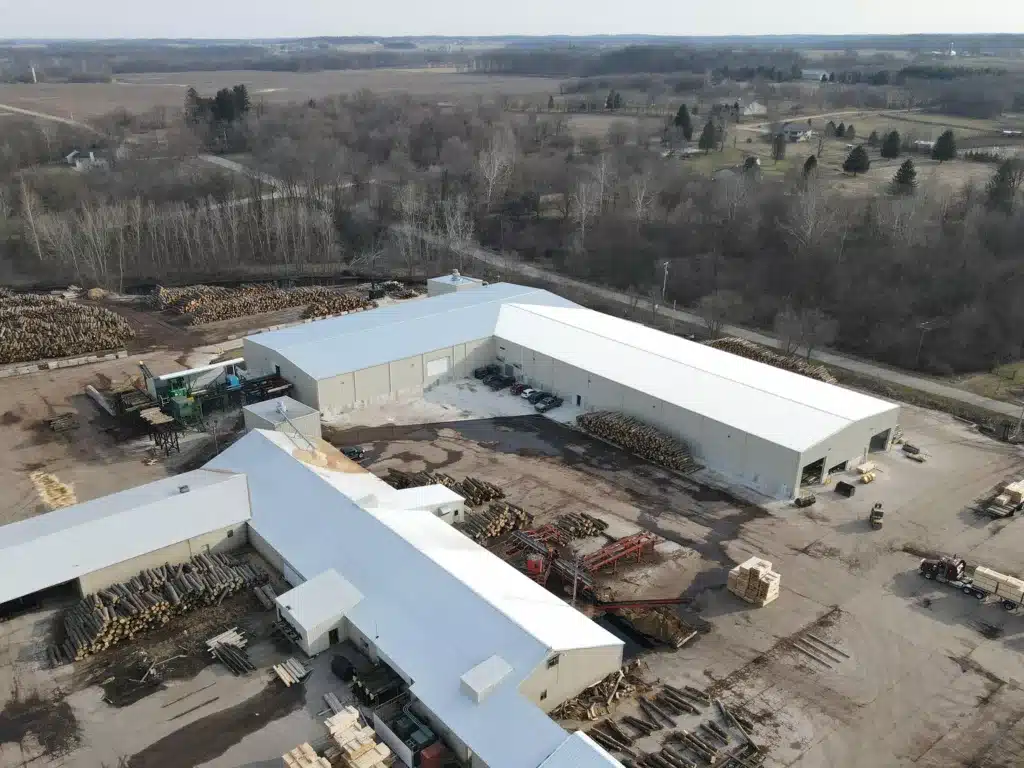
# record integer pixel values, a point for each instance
(138, 93)
(922, 674)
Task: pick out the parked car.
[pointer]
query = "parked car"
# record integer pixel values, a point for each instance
(548, 404)
(500, 382)
(525, 394)
(486, 370)
(490, 378)
(537, 396)
(355, 453)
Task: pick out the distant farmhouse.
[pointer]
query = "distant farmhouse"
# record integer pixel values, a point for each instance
(755, 109)
(85, 161)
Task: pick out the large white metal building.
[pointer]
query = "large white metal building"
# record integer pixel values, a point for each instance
(752, 424)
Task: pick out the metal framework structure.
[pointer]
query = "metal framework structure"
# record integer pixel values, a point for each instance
(610, 555)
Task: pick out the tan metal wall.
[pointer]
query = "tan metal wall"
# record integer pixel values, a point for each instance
(338, 393)
(574, 671)
(223, 540)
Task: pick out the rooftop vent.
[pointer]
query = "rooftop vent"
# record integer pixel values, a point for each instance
(183, 489)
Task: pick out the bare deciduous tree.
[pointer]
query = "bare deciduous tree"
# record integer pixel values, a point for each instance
(458, 225)
(586, 202)
(718, 309)
(789, 329)
(818, 329)
(495, 163)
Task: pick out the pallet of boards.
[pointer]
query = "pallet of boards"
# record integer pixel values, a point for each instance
(121, 612)
(499, 518)
(639, 438)
(304, 756)
(999, 584)
(754, 581)
(357, 744)
(291, 672)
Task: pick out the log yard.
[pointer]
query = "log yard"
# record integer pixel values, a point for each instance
(462, 523)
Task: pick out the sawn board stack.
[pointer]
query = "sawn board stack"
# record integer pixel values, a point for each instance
(754, 581)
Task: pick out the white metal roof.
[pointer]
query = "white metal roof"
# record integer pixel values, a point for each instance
(415, 573)
(427, 497)
(338, 345)
(267, 409)
(580, 751)
(59, 546)
(785, 408)
(321, 600)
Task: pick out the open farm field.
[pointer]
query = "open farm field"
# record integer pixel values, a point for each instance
(137, 93)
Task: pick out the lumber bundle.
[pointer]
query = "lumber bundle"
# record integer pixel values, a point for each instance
(229, 649)
(327, 303)
(304, 756)
(598, 700)
(291, 672)
(356, 744)
(580, 525)
(474, 491)
(754, 581)
(122, 611)
(499, 518)
(34, 327)
(52, 492)
(637, 437)
(752, 351)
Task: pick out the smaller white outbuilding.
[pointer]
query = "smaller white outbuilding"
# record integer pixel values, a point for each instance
(283, 414)
(452, 283)
(317, 608)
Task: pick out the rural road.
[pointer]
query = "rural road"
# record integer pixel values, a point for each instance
(489, 257)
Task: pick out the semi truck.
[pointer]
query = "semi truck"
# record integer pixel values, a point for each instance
(981, 584)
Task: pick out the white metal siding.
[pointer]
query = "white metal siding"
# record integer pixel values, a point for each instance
(338, 393)
(407, 375)
(574, 671)
(373, 384)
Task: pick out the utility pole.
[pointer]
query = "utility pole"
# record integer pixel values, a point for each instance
(664, 280)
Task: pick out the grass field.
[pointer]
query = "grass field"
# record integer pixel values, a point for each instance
(1003, 383)
(137, 93)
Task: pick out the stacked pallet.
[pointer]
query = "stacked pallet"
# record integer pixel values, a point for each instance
(580, 525)
(754, 581)
(52, 492)
(499, 518)
(637, 437)
(120, 612)
(752, 351)
(303, 756)
(35, 327)
(356, 744)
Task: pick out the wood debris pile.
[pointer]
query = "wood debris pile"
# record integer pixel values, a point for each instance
(499, 518)
(121, 611)
(637, 437)
(662, 624)
(229, 649)
(599, 699)
(752, 351)
(474, 491)
(52, 492)
(327, 303)
(36, 327)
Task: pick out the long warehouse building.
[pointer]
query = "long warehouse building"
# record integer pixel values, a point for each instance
(755, 425)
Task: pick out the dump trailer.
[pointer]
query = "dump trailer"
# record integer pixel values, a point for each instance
(981, 584)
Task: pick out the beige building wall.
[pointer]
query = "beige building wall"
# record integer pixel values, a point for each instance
(575, 670)
(223, 540)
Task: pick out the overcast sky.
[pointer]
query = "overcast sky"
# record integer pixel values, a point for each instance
(302, 18)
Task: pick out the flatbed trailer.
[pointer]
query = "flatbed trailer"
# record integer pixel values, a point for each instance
(952, 571)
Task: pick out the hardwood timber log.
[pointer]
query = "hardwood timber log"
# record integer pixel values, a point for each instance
(639, 438)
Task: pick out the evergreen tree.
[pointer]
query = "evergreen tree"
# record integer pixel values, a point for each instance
(905, 180)
(873, 139)
(851, 132)
(830, 128)
(891, 145)
(240, 101)
(551, 103)
(824, 78)
(841, 130)
(683, 122)
(810, 166)
(945, 147)
(1001, 191)
(779, 147)
(708, 137)
(832, 77)
(857, 161)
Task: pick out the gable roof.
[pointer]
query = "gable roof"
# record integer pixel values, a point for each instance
(59, 546)
(337, 345)
(771, 403)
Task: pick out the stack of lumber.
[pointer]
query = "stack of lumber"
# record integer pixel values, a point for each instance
(357, 745)
(999, 584)
(639, 438)
(303, 756)
(1014, 493)
(229, 649)
(35, 327)
(120, 612)
(499, 518)
(752, 351)
(52, 492)
(291, 672)
(326, 303)
(598, 700)
(754, 581)
(580, 525)
(473, 490)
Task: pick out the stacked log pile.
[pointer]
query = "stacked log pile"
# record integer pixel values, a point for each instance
(752, 351)
(328, 303)
(499, 518)
(599, 699)
(35, 327)
(637, 437)
(151, 599)
(580, 525)
(182, 301)
(473, 490)
(211, 303)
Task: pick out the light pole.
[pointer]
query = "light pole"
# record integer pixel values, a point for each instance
(924, 327)
(664, 280)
